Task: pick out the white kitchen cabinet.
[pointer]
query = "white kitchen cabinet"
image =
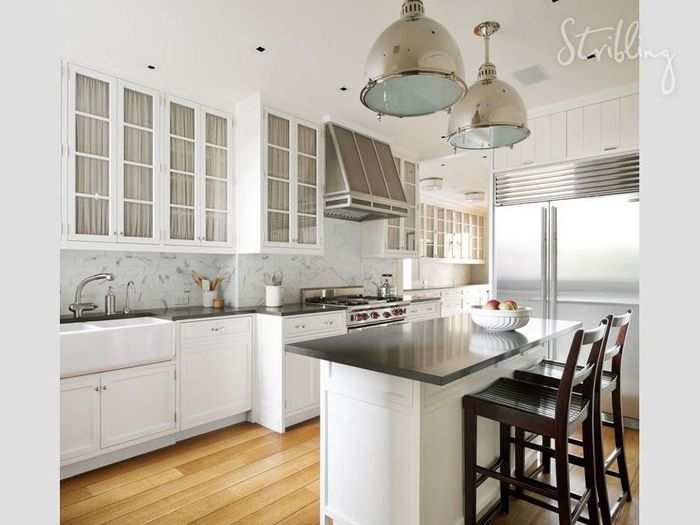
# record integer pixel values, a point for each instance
(101, 413)
(451, 302)
(198, 182)
(286, 385)
(301, 386)
(142, 170)
(451, 235)
(629, 122)
(279, 179)
(423, 310)
(527, 147)
(592, 130)
(215, 369)
(574, 133)
(396, 238)
(80, 417)
(610, 125)
(137, 403)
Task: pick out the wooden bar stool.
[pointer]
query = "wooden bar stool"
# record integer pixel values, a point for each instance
(546, 411)
(550, 373)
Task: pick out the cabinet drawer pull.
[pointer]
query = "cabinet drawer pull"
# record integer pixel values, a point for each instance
(300, 326)
(217, 329)
(610, 148)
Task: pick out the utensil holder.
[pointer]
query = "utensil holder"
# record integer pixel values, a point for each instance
(208, 297)
(273, 296)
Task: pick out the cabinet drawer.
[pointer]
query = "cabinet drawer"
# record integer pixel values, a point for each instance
(423, 309)
(299, 326)
(215, 328)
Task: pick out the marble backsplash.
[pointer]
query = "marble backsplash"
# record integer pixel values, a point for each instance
(166, 279)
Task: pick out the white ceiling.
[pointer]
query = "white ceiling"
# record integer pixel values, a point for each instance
(205, 50)
(468, 171)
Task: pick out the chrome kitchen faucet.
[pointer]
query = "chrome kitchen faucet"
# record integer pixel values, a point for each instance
(79, 307)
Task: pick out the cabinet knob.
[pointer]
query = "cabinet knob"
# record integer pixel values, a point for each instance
(97, 389)
(104, 387)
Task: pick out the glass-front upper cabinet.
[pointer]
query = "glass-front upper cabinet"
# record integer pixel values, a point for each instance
(139, 164)
(198, 175)
(91, 148)
(292, 213)
(401, 232)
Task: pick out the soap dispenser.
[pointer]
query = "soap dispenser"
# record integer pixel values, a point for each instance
(110, 302)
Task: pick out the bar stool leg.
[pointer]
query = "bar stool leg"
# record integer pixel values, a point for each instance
(590, 468)
(600, 477)
(562, 469)
(469, 465)
(619, 427)
(546, 460)
(519, 457)
(505, 466)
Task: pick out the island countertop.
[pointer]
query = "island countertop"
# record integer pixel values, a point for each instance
(437, 351)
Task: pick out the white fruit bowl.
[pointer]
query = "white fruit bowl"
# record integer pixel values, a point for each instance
(500, 320)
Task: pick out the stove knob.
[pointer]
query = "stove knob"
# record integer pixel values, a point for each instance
(352, 317)
(365, 317)
(387, 314)
(396, 311)
(375, 315)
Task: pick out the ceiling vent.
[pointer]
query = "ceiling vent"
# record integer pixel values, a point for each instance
(531, 75)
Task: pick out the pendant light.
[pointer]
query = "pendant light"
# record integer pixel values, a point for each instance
(492, 114)
(414, 68)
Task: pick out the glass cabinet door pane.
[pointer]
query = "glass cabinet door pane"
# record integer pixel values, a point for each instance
(138, 220)
(278, 131)
(183, 159)
(409, 175)
(91, 96)
(307, 230)
(181, 121)
(216, 130)
(138, 146)
(92, 156)
(216, 162)
(394, 239)
(307, 140)
(277, 195)
(138, 183)
(277, 227)
(306, 200)
(138, 108)
(182, 223)
(91, 216)
(307, 170)
(215, 227)
(215, 195)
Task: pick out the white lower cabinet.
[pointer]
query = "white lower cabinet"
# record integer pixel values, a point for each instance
(423, 310)
(80, 417)
(215, 370)
(104, 412)
(137, 403)
(301, 387)
(287, 385)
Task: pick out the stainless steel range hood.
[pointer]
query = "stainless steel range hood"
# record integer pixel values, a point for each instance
(362, 181)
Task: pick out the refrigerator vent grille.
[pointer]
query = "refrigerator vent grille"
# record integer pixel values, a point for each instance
(569, 180)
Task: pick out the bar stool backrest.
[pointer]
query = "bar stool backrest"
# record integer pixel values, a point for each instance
(622, 322)
(589, 375)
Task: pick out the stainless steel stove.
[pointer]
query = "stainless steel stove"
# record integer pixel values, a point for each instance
(361, 310)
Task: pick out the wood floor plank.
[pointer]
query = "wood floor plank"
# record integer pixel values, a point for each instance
(124, 472)
(226, 454)
(162, 500)
(119, 493)
(243, 507)
(284, 507)
(263, 481)
(309, 515)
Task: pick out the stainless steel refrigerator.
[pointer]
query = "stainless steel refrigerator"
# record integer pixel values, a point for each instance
(566, 244)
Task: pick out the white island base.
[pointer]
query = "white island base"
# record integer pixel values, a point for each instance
(391, 448)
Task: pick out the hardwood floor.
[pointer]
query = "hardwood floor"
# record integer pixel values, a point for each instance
(244, 474)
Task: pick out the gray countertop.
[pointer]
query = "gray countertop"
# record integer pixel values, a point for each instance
(437, 351)
(184, 313)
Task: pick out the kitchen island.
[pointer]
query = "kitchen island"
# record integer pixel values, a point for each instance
(391, 420)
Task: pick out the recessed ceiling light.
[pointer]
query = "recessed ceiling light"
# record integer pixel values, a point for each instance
(531, 75)
(343, 89)
(591, 56)
(475, 196)
(151, 67)
(260, 49)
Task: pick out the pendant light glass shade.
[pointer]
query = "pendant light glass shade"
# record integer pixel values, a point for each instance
(492, 114)
(414, 68)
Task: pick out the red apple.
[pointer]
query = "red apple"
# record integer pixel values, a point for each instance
(508, 305)
(493, 304)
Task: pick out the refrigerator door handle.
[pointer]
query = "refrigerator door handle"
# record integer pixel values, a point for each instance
(553, 261)
(544, 242)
